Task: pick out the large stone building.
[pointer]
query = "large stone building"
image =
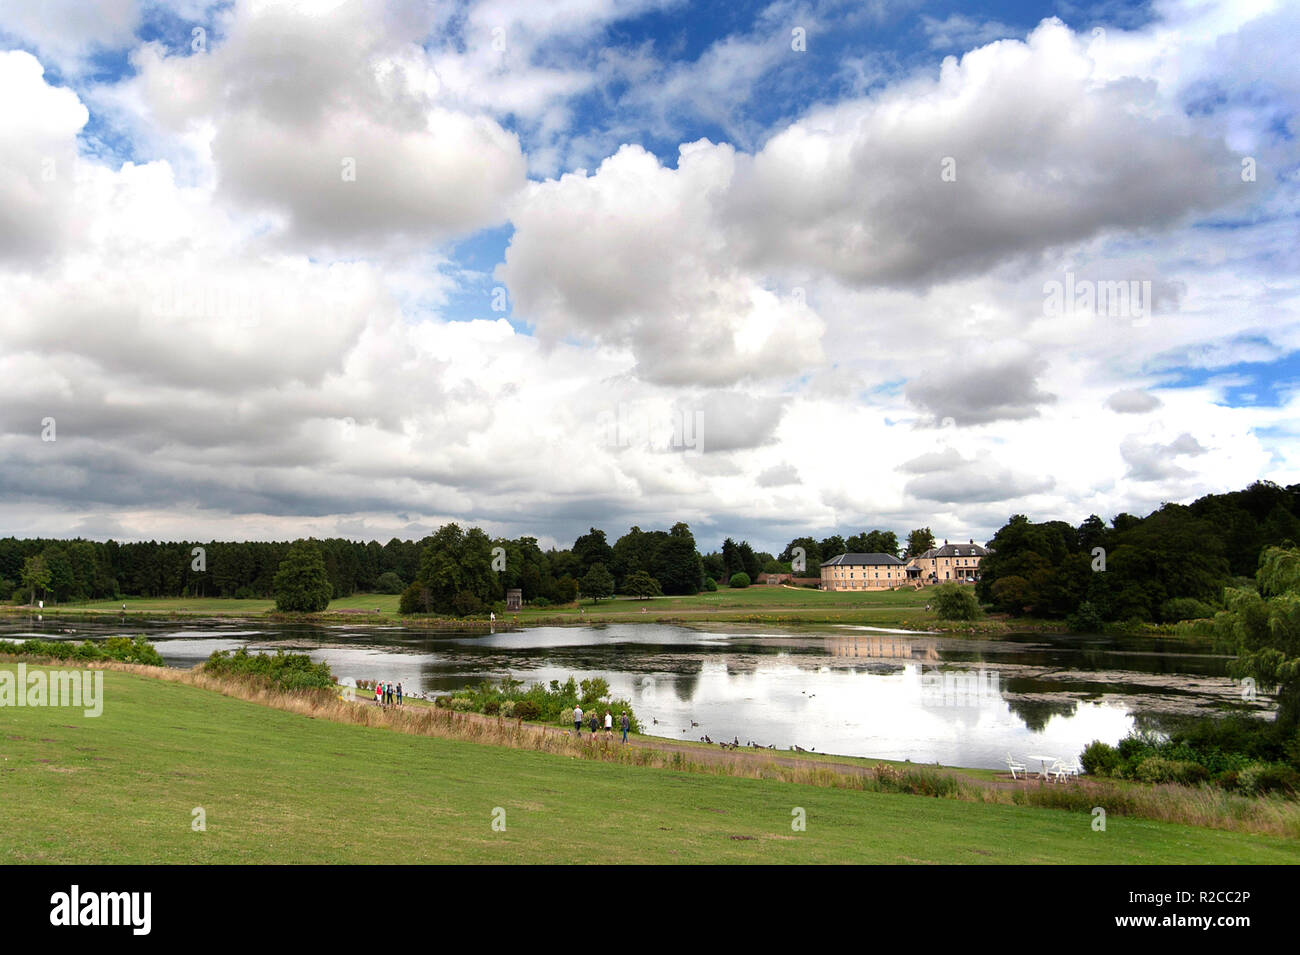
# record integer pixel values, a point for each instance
(863, 572)
(958, 563)
(951, 562)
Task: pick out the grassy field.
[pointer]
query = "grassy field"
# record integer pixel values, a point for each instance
(754, 605)
(220, 606)
(281, 787)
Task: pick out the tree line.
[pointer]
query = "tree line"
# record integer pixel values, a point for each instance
(452, 570)
(1174, 564)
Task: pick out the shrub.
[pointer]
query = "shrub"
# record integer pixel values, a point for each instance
(389, 583)
(710, 584)
(1155, 769)
(1184, 608)
(124, 649)
(1085, 619)
(641, 584)
(955, 602)
(415, 599)
(537, 702)
(290, 671)
(566, 589)
(492, 707)
(917, 782)
(466, 603)
(128, 650)
(525, 709)
(739, 580)
(540, 602)
(1099, 759)
(1259, 778)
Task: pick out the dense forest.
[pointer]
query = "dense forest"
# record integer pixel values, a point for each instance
(1171, 565)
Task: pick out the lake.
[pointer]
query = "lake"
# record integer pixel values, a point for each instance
(848, 690)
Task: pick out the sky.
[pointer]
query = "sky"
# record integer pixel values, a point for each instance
(271, 270)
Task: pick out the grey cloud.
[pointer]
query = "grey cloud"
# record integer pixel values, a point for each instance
(736, 421)
(1133, 401)
(778, 476)
(1149, 461)
(944, 460)
(976, 486)
(945, 476)
(972, 392)
(830, 191)
(316, 118)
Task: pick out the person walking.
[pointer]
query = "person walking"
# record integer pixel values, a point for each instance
(379, 693)
(609, 725)
(595, 724)
(577, 721)
(399, 694)
(626, 724)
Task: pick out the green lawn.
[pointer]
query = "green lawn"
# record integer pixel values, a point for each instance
(754, 605)
(278, 787)
(218, 605)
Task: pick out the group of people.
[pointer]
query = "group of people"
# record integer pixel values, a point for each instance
(388, 693)
(623, 721)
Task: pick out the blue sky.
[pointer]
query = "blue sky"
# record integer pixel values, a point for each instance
(683, 215)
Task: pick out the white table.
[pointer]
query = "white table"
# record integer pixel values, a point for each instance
(1044, 760)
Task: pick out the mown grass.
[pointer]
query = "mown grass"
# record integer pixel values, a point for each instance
(761, 605)
(279, 785)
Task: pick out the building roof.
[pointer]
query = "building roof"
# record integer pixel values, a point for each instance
(863, 560)
(954, 550)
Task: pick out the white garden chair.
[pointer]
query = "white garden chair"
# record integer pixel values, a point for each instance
(1015, 766)
(1063, 770)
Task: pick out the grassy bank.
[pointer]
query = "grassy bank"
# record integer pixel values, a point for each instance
(281, 786)
(757, 605)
